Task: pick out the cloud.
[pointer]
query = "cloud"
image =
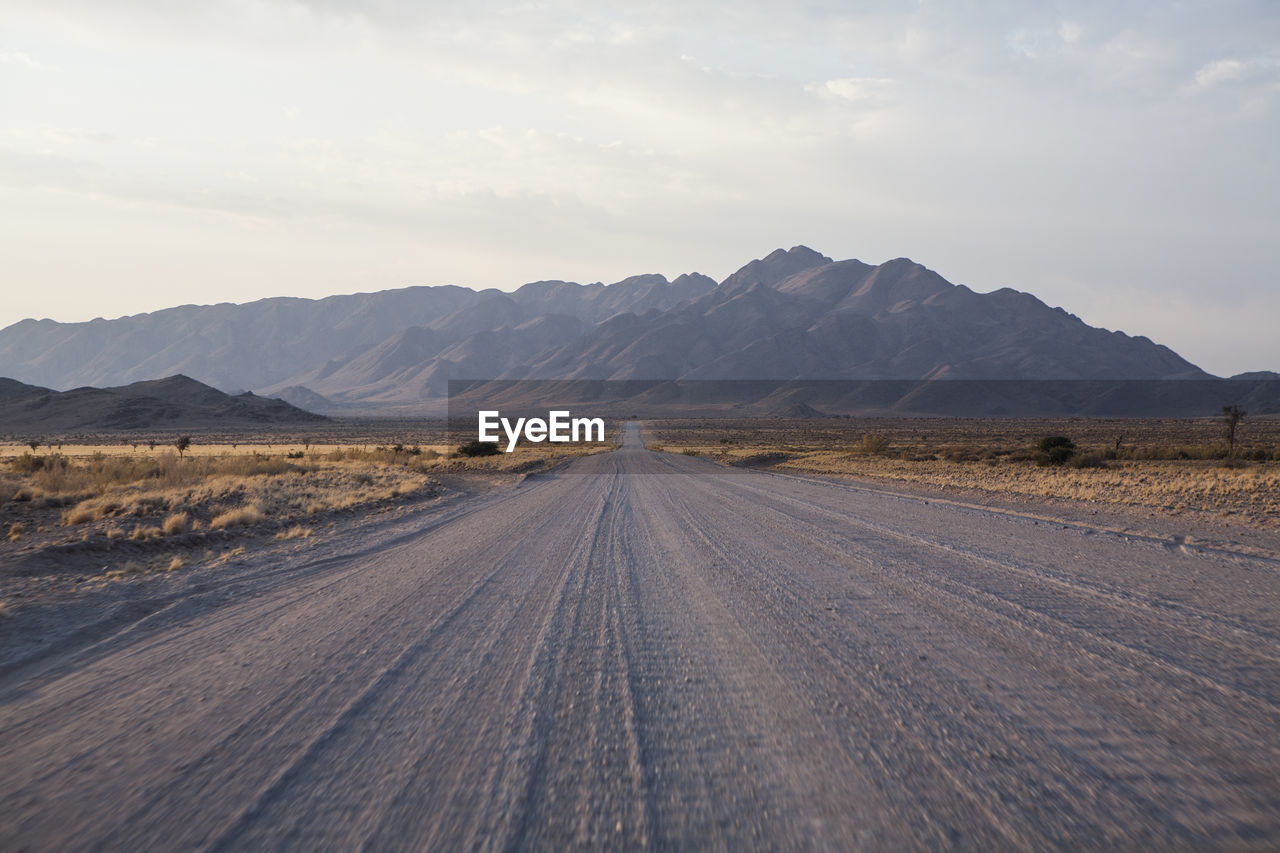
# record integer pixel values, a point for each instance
(863, 90)
(1220, 71)
(20, 59)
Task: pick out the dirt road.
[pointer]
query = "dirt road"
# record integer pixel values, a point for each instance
(644, 650)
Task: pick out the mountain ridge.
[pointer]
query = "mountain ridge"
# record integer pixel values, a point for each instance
(174, 402)
(793, 314)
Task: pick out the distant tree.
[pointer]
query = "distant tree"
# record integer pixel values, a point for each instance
(151, 445)
(1231, 418)
(183, 442)
(33, 444)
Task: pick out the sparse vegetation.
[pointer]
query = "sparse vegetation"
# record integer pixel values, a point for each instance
(1055, 450)
(475, 447)
(182, 443)
(238, 517)
(871, 445)
(146, 497)
(1169, 465)
(176, 523)
(1231, 418)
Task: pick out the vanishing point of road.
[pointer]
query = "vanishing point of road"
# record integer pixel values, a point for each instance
(642, 650)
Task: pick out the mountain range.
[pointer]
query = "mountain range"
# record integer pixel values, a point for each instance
(794, 314)
(175, 402)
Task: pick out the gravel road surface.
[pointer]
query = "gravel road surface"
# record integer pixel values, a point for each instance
(646, 651)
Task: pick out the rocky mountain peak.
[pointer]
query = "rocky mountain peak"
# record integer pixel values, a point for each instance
(775, 268)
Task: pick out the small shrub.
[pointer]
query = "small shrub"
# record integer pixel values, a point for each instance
(871, 444)
(16, 530)
(1087, 460)
(295, 532)
(236, 517)
(176, 523)
(1049, 442)
(81, 514)
(27, 463)
(476, 447)
(1055, 450)
(689, 451)
(294, 454)
(176, 563)
(115, 533)
(146, 531)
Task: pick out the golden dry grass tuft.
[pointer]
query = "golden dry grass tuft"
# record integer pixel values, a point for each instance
(295, 532)
(238, 517)
(176, 523)
(16, 530)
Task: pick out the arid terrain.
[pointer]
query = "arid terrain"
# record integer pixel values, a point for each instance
(1177, 468)
(643, 650)
(88, 513)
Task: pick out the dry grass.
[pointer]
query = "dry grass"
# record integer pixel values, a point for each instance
(295, 532)
(238, 517)
(169, 495)
(16, 530)
(176, 523)
(1165, 465)
(146, 531)
(1253, 491)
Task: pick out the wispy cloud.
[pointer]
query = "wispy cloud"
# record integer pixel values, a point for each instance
(19, 59)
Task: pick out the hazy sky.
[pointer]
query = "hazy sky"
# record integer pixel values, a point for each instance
(1116, 158)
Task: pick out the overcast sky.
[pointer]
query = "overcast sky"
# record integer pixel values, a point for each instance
(1118, 159)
